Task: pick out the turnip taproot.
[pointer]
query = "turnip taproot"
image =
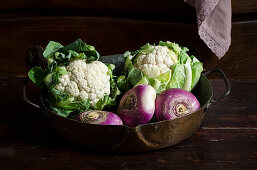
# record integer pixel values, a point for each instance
(137, 105)
(173, 103)
(100, 118)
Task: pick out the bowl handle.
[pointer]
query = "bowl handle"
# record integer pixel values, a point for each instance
(25, 95)
(224, 77)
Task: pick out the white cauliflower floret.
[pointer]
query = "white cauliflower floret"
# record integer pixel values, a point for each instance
(76, 65)
(157, 62)
(83, 95)
(72, 89)
(85, 80)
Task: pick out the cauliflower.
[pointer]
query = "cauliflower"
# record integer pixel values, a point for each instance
(85, 80)
(74, 80)
(156, 62)
(163, 66)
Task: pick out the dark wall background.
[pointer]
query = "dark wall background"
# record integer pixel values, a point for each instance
(114, 26)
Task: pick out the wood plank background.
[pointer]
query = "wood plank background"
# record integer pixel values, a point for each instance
(116, 26)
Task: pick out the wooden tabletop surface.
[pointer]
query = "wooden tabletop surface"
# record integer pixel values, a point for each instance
(227, 138)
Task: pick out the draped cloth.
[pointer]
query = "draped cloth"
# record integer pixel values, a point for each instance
(214, 23)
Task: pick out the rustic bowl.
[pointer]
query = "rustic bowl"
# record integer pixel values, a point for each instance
(144, 137)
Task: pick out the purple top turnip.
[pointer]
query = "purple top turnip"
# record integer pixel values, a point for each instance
(137, 105)
(100, 118)
(173, 103)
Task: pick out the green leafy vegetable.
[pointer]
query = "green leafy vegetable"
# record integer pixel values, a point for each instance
(51, 48)
(105, 101)
(79, 46)
(178, 77)
(188, 71)
(114, 88)
(58, 57)
(36, 74)
(185, 73)
(173, 46)
(56, 54)
(197, 68)
(72, 109)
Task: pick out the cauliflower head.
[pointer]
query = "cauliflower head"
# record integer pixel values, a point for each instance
(157, 62)
(74, 80)
(85, 80)
(163, 66)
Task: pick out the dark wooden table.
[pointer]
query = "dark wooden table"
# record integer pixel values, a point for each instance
(227, 138)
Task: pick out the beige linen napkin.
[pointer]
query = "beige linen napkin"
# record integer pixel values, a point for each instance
(214, 23)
